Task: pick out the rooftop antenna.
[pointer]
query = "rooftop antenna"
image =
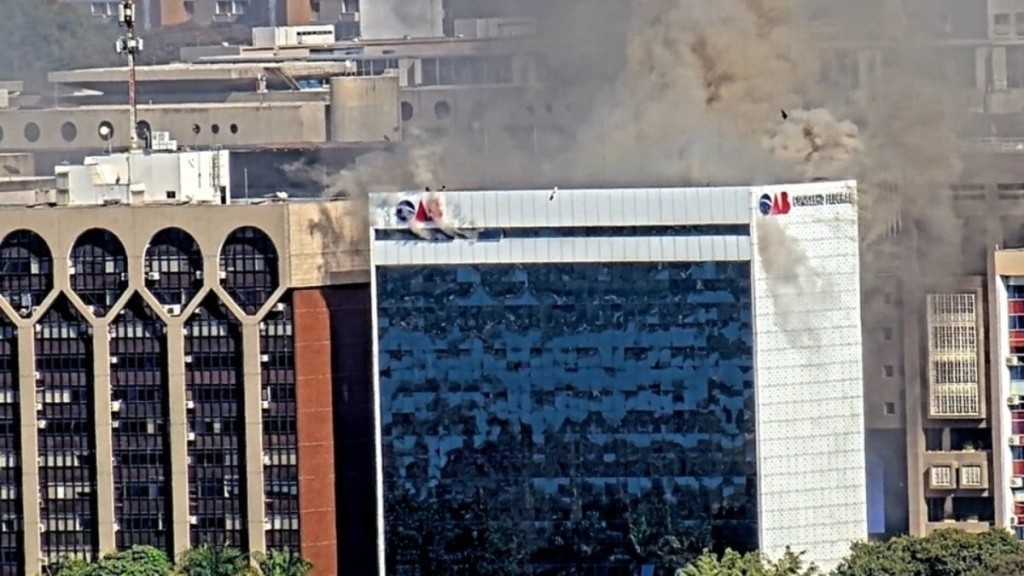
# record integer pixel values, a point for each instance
(131, 45)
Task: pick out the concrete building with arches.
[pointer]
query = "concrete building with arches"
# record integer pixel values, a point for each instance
(173, 375)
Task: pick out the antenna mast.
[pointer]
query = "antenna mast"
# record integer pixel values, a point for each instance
(131, 45)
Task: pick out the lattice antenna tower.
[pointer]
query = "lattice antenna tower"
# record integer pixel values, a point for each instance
(130, 45)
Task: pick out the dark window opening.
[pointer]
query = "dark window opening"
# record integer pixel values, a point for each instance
(174, 268)
(68, 131)
(10, 448)
(99, 273)
(279, 421)
(138, 388)
(214, 391)
(32, 132)
(67, 468)
(26, 270)
(249, 264)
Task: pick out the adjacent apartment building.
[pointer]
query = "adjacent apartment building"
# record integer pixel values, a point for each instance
(555, 359)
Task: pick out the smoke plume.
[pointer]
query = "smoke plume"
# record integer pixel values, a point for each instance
(800, 293)
(730, 92)
(414, 164)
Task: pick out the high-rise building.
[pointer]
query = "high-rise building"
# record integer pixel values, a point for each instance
(554, 361)
(1006, 359)
(175, 369)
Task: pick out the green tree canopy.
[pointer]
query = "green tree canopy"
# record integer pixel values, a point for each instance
(39, 36)
(943, 553)
(137, 561)
(203, 561)
(210, 560)
(73, 567)
(751, 564)
(282, 563)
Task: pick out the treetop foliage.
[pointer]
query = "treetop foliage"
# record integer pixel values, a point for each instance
(943, 553)
(203, 561)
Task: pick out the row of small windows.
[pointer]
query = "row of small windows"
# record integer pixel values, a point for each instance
(214, 128)
(104, 130)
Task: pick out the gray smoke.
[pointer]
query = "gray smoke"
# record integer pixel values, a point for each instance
(414, 164)
(799, 291)
(663, 92)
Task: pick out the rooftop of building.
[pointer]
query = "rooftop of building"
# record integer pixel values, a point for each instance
(249, 63)
(320, 242)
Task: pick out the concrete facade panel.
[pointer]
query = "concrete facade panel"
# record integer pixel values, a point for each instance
(811, 467)
(242, 124)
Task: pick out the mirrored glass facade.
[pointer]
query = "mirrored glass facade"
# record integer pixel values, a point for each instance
(550, 412)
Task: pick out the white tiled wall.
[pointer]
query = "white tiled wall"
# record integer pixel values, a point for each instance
(809, 400)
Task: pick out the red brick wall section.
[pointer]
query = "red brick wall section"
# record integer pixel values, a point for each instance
(315, 427)
(169, 12)
(296, 13)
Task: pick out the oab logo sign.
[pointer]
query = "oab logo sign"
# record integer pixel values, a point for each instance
(405, 211)
(781, 203)
(774, 204)
(422, 212)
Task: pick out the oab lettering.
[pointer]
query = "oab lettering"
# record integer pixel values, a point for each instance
(829, 199)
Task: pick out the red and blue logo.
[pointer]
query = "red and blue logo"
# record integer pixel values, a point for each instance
(407, 211)
(774, 204)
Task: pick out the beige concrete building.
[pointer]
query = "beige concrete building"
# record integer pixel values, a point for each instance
(174, 375)
(937, 399)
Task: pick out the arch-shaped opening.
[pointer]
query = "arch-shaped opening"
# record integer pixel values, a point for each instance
(248, 265)
(442, 110)
(144, 131)
(215, 128)
(64, 389)
(105, 130)
(215, 385)
(408, 111)
(233, 128)
(174, 268)
(1, 133)
(138, 373)
(68, 131)
(26, 270)
(32, 132)
(196, 129)
(99, 269)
